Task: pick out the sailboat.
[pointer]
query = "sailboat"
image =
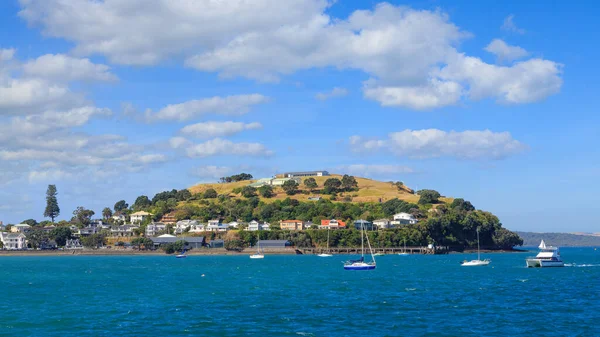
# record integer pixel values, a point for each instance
(404, 253)
(326, 254)
(258, 254)
(182, 255)
(479, 261)
(360, 264)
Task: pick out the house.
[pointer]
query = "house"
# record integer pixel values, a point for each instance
(20, 228)
(154, 227)
(404, 219)
(382, 223)
(48, 244)
(119, 217)
(314, 198)
(292, 225)
(332, 224)
(217, 243)
(123, 230)
(233, 224)
(256, 226)
(48, 228)
(192, 241)
(73, 244)
(182, 225)
(303, 174)
(281, 181)
(261, 182)
(87, 231)
(274, 244)
(13, 241)
(168, 219)
(363, 224)
(139, 217)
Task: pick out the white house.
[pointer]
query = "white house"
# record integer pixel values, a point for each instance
(20, 228)
(233, 224)
(119, 217)
(255, 226)
(382, 223)
(73, 244)
(405, 219)
(13, 241)
(182, 225)
(139, 217)
(154, 227)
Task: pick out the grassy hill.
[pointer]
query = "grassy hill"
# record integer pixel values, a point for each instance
(368, 191)
(560, 239)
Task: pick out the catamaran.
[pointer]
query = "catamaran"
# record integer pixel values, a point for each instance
(404, 252)
(360, 264)
(326, 254)
(259, 254)
(479, 261)
(547, 257)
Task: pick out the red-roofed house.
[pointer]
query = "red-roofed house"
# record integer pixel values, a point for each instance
(332, 224)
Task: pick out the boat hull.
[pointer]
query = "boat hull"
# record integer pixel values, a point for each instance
(181, 256)
(475, 263)
(324, 255)
(539, 263)
(361, 266)
(403, 254)
(257, 256)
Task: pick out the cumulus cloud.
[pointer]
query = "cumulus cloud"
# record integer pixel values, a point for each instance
(333, 93)
(402, 49)
(230, 105)
(505, 52)
(212, 171)
(510, 26)
(59, 67)
(432, 143)
(219, 146)
(217, 129)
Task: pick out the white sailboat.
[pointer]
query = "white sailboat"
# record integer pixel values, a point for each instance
(259, 254)
(326, 254)
(404, 253)
(479, 261)
(361, 264)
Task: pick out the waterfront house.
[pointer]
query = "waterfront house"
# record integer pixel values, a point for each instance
(122, 231)
(119, 217)
(292, 225)
(363, 224)
(168, 219)
(303, 174)
(217, 243)
(404, 219)
(73, 244)
(382, 223)
(191, 242)
(48, 245)
(139, 217)
(154, 228)
(20, 228)
(274, 244)
(13, 241)
(332, 224)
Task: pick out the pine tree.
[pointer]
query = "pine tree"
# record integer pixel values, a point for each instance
(52, 209)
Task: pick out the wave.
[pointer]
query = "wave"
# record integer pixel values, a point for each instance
(581, 265)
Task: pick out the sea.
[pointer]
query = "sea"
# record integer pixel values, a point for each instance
(298, 295)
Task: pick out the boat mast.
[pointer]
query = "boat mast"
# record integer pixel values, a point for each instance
(327, 240)
(362, 245)
(478, 255)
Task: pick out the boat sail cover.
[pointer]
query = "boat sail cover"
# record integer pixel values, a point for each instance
(542, 245)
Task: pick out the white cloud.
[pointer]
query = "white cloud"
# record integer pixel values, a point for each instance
(217, 129)
(505, 52)
(21, 96)
(432, 143)
(218, 146)
(230, 105)
(374, 170)
(403, 50)
(212, 171)
(7, 54)
(52, 175)
(59, 67)
(510, 26)
(333, 93)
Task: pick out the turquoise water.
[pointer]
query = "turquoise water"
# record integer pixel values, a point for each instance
(298, 295)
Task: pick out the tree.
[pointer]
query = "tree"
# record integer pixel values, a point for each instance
(120, 206)
(52, 210)
(93, 241)
(331, 185)
(61, 235)
(290, 187)
(36, 237)
(107, 213)
(428, 197)
(83, 216)
(266, 191)
(461, 204)
(248, 192)
(30, 222)
(142, 202)
(399, 185)
(349, 183)
(311, 183)
(210, 193)
(505, 239)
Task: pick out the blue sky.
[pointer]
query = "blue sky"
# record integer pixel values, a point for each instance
(492, 102)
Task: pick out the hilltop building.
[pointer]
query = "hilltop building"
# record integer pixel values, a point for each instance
(139, 217)
(302, 174)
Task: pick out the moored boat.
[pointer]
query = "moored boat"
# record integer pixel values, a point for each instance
(547, 257)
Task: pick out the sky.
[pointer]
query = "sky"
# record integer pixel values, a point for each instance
(493, 102)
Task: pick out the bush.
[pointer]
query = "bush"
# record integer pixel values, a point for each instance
(210, 193)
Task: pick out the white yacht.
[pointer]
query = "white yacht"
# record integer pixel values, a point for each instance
(479, 261)
(547, 257)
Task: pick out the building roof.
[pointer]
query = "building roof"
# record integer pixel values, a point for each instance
(22, 225)
(12, 235)
(290, 221)
(274, 243)
(141, 213)
(306, 172)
